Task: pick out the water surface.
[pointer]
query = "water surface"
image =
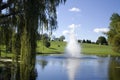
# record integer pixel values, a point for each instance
(58, 67)
(83, 68)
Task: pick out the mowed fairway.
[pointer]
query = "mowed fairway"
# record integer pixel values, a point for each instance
(90, 49)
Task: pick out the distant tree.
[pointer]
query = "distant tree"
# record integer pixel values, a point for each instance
(102, 40)
(83, 41)
(56, 39)
(45, 40)
(88, 41)
(62, 38)
(79, 41)
(114, 32)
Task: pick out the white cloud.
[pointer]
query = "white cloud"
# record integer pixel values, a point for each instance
(98, 30)
(74, 9)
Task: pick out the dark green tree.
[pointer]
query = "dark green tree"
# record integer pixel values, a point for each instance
(102, 40)
(24, 16)
(88, 41)
(83, 41)
(34, 10)
(114, 32)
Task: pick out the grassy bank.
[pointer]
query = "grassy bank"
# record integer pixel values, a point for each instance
(59, 47)
(90, 49)
(56, 47)
(101, 50)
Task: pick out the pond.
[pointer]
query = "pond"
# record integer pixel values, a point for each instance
(57, 67)
(83, 68)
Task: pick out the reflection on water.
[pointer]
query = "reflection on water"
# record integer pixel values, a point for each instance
(88, 68)
(52, 68)
(72, 67)
(114, 69)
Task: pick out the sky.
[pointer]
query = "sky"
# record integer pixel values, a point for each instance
(90, 18)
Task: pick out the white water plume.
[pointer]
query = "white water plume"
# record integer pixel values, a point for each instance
(72, 67)
(73, 47)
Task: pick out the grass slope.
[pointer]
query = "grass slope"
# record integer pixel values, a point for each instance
(56, 47)
(59, 47)
(90, 49)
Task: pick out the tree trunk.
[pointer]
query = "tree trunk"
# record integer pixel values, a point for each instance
(28, 42)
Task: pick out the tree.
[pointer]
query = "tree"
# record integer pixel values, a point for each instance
(35, 10)
(24, 17)
(45, 40)
(79, 41)
(62, 38)
(116, 43)
(83, 41)
(47, 44)
(114, 32)
(102, 40)
(88, 41)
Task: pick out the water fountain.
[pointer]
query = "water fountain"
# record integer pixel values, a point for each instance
(72, 51)
(73, 47)
(72, 63)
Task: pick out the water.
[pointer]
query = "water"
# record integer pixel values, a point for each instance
(56, 67)
(73, 47)
(87, 68)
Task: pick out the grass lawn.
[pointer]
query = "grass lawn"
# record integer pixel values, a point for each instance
(56, 47)
(101, 50)
(59, 47)
(90, 49)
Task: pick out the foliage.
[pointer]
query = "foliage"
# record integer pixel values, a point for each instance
(116, 43)
(83, 41)
(102, 40)
(79, 41)
(24, 16)
(47, 44)
(62, 38)
(86, 41)
(114, 32)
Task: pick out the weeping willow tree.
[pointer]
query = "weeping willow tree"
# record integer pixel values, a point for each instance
(34, 10)
(26, 16)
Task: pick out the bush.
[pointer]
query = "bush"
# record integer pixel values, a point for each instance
(116, 43)
(47, 44)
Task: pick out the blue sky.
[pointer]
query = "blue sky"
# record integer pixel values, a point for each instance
(90, 17)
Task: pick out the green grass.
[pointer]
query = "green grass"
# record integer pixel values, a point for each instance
(56, 47)
(59, 47)
(101, 50)
(89, 49)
